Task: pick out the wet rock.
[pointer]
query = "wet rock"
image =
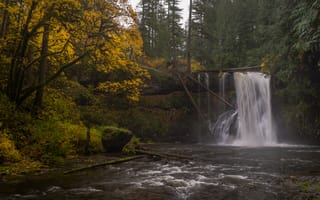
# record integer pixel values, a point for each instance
(114, 138)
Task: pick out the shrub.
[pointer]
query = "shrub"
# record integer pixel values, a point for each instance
(114, 138)
(60, 107)
(55, 131)
(8, 151)
(52, 140)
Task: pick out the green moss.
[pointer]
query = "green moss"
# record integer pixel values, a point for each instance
(21, 167)
(115, 138)
(132, 145)
(52, 140)
(95, 145)
(317, 186)
(305, 186)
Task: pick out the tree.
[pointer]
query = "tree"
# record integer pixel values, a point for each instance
(25, 45)
(175, 30)
(161, 29)
(189, 37)
(297, 80)
(58, 35)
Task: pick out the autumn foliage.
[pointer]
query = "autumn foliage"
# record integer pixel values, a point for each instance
(41, 39)
(44, 47)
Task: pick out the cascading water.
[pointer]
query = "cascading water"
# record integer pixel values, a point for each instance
(222, 85)
(204, 101)
(223, 80)
(254, 109)
(223, 127)
(254, 117)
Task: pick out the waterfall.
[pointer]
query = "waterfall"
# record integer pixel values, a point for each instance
(223, 127)
(254, 109)
(222, 89)
(222, 85)
(254, 117)
(199, 90)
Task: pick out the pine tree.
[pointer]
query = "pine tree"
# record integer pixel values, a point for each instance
(161, 28)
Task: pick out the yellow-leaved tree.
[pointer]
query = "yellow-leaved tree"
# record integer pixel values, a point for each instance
(115, 55)
(39, 40)
(121, 59)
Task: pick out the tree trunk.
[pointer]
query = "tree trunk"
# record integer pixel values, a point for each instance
(189, 39)
(5, 21)
(174, 45)
(16, 76)
(191, 98)
(86, 148)
(42, 66)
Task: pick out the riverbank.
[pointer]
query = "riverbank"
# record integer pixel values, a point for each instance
(218, 172)
(31, 168)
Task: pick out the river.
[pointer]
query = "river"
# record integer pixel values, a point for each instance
(214, 172)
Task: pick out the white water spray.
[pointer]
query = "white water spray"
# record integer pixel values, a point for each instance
(222, 85)
(254, 125)
(254, 110)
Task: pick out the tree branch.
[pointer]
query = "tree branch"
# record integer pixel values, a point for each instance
(28, 91)
(47, 55)
(211, 92)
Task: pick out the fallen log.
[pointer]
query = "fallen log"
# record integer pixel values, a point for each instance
(110, 162)
(231, 70)
(163, 155)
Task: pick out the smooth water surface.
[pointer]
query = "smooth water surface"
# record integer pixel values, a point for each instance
(214, 172)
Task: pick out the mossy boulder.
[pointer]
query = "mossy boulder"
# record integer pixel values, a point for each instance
(114, 138)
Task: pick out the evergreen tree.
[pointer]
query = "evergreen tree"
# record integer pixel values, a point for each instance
(161, 29)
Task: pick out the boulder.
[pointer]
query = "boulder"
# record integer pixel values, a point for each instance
(114, 138)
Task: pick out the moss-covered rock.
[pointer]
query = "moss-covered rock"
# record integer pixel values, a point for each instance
(114, 138)
(132, 145)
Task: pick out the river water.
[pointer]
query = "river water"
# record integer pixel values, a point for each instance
(213, 172)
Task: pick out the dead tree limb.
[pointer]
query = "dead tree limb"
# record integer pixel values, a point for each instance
(190, 96)
(232, 70)
(211, 92)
